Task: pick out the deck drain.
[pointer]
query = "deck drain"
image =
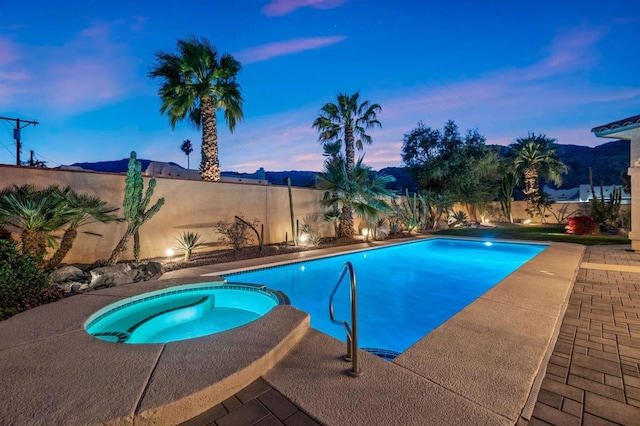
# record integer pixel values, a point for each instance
(385, 354)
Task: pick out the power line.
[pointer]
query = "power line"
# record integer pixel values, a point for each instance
(16, 133)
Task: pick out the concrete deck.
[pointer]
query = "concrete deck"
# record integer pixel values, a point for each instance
(477, 368)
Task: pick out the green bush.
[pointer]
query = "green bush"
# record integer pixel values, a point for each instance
(22, 284)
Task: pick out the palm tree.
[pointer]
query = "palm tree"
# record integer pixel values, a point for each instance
(197, 81)
(187, 149)
(81, 210)
(37, 213)
(362, 192)
(535, 157)
(347, 121)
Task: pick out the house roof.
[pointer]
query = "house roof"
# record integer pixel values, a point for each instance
(618, 129)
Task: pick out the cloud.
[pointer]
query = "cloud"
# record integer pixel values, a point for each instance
(284, 7)
(85, 72)
(282, 48)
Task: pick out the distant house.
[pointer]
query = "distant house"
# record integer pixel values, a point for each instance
(562, 195)
(582, 194)
(602, 192)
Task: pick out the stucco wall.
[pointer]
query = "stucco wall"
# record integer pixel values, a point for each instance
(189, 205)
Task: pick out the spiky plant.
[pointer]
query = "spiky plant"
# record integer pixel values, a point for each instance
(187, 242)
(136, 209)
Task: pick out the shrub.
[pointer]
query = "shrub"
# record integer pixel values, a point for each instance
(581, 225)
(22, 284)
(237, 233)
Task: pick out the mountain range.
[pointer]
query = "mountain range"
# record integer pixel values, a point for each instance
(608, 162)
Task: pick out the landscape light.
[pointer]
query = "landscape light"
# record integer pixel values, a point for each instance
(169, 252)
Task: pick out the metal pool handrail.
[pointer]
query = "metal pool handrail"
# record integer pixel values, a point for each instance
(352, 331)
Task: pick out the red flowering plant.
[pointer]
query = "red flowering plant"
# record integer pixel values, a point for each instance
(581, 225)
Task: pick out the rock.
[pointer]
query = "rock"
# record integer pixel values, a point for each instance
(382, 232)
(441, 224)
(66, 274)
(110, 276)
(150, 270)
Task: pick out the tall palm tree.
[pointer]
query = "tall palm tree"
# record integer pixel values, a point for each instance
(197, 81)
(347, 122)
(81, 210)
(535, 157)
(362, 192)
(187, 149)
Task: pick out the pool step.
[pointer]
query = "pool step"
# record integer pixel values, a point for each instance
(385, 354)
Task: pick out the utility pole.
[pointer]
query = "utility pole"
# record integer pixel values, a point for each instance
(20, 124)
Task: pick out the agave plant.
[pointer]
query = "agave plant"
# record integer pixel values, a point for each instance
(189, 241)
(457, 218)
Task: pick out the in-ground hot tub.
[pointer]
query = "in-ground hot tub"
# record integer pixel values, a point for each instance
(183, 312)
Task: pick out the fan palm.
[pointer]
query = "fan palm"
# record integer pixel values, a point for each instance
(37, 213)
(80, 209)
(535, 157)
(347, 122)
(197, 81)
(362, 192)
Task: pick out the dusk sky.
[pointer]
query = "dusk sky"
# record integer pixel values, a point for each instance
(508, 67)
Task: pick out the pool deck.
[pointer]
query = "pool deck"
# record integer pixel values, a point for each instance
(483, 366)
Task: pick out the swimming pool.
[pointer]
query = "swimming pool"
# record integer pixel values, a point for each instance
(404, 291)
(183, 312)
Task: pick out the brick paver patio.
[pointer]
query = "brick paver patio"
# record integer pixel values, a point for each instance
(257, 404)
(593, 376)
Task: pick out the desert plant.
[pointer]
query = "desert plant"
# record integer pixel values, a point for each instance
(187, 242)
(457, 218)
(293, 233)
(362, 192)
(309, 233)
(539, 206)
(20, 278)
(81, 210)
(252, 226)
(135, 209)
(37, 213)
(187, 148)
(333, 217)
(606, 213)
(237, 233)
(581, 225)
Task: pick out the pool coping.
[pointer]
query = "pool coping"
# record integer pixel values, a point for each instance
(54, 372)
(161, 386)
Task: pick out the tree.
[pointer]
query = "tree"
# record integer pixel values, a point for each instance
(535, 157)
(187, 149)
(135, 209)
(197, 81)
(37, 213)
(362, 192)
(81, 210)
(444, 162)
(346, 122)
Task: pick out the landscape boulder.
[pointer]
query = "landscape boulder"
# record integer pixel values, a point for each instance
(67, 274)
(109, 276)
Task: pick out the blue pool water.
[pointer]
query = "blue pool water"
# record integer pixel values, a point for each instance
(180, 313)
(404, 291)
